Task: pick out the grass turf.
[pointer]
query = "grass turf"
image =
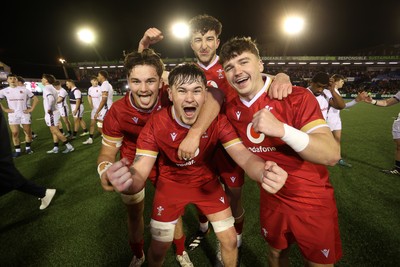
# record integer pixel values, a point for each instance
(85, 226)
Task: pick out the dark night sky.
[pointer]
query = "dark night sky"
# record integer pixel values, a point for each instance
(333, 27)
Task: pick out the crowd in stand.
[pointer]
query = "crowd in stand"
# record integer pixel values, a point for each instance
(379, 81)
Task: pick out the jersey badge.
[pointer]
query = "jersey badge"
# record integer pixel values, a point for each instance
(238, 113)
(325, 252)
(220, 75)
(159, 210)
(173, 136)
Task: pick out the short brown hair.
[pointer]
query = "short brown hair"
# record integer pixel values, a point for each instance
(146, 57)
(235, 47)
(186, 73)
(205, 23)
(49, 77)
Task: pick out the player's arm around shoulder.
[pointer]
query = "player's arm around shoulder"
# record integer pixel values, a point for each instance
(209, 112)
(280, 87)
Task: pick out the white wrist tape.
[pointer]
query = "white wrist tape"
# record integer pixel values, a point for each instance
(297, 139)
(103, 166)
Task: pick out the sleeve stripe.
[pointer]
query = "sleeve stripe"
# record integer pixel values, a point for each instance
(147, 153)
(232, 143)
(314, 125)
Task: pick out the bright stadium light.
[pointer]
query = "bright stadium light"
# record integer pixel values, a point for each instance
(293, 25)
(86, 35)
(180, 30)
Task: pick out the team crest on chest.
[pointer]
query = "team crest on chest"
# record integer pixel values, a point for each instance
(220, 73)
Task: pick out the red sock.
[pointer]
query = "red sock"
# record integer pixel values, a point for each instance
(203, 218)
(239, 227)
(137, 248)
(180, 245)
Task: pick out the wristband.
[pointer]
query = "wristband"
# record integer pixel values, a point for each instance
(297, 139)
(374, 102)
(103, 166)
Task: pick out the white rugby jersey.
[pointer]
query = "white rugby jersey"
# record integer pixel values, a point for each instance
(95, 93)
(64, 94)
(49, 98)
(17, 97)
(107, 87)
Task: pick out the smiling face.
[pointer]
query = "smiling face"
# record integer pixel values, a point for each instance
(205, 46)
(243, 72)
(144, 83)
(187, 92)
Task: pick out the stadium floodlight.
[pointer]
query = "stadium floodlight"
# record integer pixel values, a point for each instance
(180, 30)
(293, 25)
(86, 35)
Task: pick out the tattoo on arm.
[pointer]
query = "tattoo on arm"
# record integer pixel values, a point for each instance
(132, 170)
(137, 158)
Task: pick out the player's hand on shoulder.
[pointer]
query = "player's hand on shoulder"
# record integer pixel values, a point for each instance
(188, 147)
(281, 86)
(274, 177)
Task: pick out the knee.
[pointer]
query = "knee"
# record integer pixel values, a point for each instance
(275, 254)
(230, 243)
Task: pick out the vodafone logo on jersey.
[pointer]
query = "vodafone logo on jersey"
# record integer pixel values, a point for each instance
(253, 136)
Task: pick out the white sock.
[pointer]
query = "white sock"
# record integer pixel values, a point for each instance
(239, 240)
(204, 227)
